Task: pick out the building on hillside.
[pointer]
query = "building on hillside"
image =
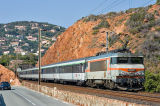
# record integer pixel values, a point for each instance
(4, 47)
(14, 43)
(19, 51)
(31, 38)
(33, 27)
(54, 38)
(44, 42)
(8, 35)
(42, 50)
(52, 30)
(2, 43)
(35, 54)
(2, 39)
(34, 24)
(26, 44)
(20, 27)
(6, 52)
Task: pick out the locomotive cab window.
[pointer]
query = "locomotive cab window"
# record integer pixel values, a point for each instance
(136, 60)
(127, 60)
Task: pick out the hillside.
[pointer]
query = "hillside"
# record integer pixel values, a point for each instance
(137, 29)
(22, 37)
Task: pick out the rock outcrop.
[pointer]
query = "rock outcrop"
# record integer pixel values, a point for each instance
(8, 75)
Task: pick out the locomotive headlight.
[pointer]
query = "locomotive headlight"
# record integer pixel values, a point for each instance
(140, 73)
(123, 73)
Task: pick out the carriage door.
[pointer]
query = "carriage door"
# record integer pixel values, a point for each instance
(81, 71)
(108, 69)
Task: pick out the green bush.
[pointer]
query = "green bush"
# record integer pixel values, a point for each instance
(102, 24)
(92, 18)
(136, 22)
(111, 14)
(95, 31)
(157, 29)
(149, 17)
(152, 82)
(136, 19)
(134, 30)
(158, 2)
(113, 39)
(156, 13)
(131, 10)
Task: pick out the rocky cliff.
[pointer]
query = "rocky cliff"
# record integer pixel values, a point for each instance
(8, 75)
(136, 29)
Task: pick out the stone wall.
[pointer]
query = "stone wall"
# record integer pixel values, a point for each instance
(77, 98)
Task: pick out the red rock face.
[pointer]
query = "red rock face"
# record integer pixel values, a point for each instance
(8, 75)
(78, 41)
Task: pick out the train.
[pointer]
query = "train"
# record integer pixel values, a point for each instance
(113, 70)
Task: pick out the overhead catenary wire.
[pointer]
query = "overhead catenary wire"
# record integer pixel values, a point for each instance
(117, 4)
(130, 3)
(107, 6)
(100, 5)
(147, 3)
(112, 5)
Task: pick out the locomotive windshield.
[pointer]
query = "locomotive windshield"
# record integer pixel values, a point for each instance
(127, 60)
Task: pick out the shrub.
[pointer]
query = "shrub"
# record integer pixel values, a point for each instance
(134, 30)
(92, 18)
(131, 10)
(156, 13)
(157, 29)
(134, 10)
(135, 20)
(95, 31)
(111, 14)
(149, 17)
(152, 82)
(102, 24)
(113, 39)
(158, 2)
(151, 45)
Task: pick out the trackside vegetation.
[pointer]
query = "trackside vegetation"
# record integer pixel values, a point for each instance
(152, 83)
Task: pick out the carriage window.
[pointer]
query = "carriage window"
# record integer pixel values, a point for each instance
(98, 66)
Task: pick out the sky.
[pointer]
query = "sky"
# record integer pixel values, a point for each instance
(62, 12)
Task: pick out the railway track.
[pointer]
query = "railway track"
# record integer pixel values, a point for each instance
(137, 97)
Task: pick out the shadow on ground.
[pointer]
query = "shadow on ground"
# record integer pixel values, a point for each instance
(2, 103)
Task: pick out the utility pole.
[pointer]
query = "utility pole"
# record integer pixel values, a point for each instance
(17, 66)
(39, 59)
(107, 42)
